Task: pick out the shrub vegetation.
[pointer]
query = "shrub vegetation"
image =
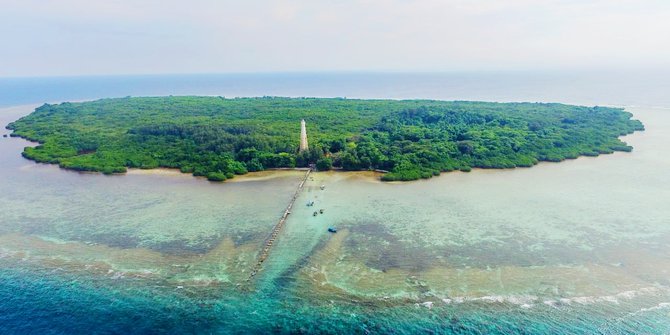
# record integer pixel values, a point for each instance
(218, 138)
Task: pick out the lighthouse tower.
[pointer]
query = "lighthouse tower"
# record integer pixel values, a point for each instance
(303, 136)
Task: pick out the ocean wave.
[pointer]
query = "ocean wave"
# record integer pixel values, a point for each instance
(529, 301)
(614, 299)
(660, 306)
(513, 299)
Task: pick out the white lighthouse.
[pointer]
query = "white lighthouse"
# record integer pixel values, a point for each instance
(303, 136)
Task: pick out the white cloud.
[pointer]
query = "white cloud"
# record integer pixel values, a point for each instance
(170, 36)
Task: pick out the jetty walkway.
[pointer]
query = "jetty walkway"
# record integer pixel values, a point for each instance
(269, 242)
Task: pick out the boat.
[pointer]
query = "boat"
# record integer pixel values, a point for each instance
(321, 210)
(323, 187)
(315, 213)
(310, 203)
(332, 230)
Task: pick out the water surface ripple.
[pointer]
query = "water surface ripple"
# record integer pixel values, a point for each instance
(575, 247)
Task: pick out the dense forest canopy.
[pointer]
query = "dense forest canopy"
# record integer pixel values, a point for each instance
(411, 139)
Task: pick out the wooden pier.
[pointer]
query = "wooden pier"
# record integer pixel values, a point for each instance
(269, 242)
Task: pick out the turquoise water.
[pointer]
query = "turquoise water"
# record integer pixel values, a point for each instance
(578, 247)
(42, 304)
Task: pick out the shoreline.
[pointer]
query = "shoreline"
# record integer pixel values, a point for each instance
(372, 176)
(250, 176)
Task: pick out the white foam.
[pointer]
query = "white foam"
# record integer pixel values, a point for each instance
(551, 303)
(118, 275)
(512, 299)
(529, 301)
(580, 300)
(615, 299)
(663, 305)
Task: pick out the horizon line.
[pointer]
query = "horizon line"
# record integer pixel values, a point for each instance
(351, 72)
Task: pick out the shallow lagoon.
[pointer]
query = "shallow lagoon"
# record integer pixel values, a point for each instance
(573, 247)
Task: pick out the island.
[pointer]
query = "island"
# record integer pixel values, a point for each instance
(218, 137)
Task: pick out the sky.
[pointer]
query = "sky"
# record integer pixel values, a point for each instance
(96, 37)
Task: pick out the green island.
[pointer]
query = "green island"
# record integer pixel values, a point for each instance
(219, 137)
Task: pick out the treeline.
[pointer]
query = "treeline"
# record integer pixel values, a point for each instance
(219, 138)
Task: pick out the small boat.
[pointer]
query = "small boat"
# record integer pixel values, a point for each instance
(332, 230)
(310, 203)
(315, 213)
(323, 187)
(321, 210)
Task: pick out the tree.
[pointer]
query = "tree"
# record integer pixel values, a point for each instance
(324, 164)
(465, 147)
(350, 161)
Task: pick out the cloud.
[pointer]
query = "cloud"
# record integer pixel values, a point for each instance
(170, 36)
